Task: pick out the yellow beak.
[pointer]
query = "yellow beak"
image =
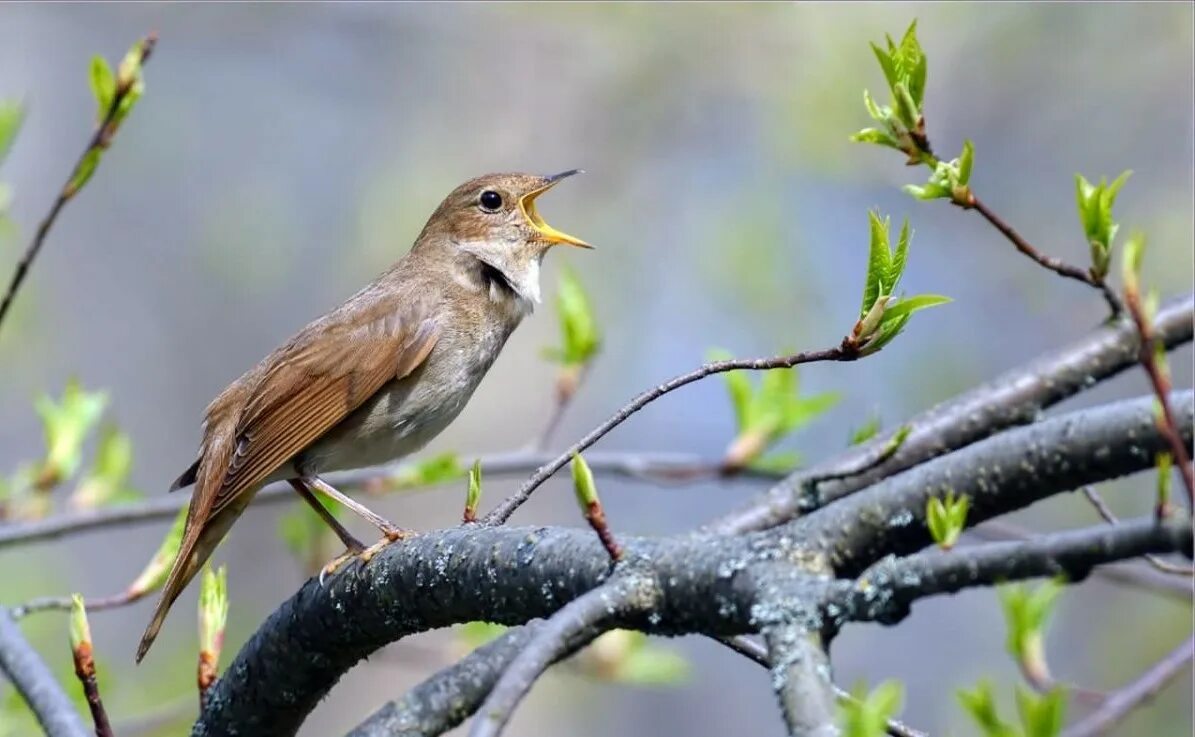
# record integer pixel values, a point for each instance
(547, 232)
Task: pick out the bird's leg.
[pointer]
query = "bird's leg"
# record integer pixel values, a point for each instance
(391, 531)
(353, 545)
(388, 528)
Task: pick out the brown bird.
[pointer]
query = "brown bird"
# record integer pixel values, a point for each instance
(376, 378)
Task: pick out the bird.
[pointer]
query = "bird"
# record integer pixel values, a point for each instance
(376, 378)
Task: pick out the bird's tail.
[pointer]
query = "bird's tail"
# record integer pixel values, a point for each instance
(197, 546)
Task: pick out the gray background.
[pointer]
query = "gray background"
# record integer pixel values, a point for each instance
(284, 154)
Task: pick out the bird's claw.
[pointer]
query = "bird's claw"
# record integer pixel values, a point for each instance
(392, 534)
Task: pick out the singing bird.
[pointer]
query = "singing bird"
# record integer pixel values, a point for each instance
(376, 378)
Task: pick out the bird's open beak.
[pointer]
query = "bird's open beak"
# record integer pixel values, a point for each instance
(547, 232)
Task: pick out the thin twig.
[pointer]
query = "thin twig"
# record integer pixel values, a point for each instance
(35, 683)
(501, 513)
(1108, 516)
(100, 139)
(758, 654)
(655, 467)
(1057, 265)
(1121, 702)
(1161, 387)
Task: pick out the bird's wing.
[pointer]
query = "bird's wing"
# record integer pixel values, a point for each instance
(314, 384)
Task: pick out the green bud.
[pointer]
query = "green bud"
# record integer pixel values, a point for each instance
(155, 572)
(79, 628)
(213, 609)
(473, 495)
(583, 484)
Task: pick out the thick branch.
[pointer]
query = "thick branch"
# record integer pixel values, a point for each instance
(450, 696)
(1000, 474)
(664, 467)
(885, 591)
(801, 679)
(1014, 398)
(35, 683)
(512, 575)
(576, 624)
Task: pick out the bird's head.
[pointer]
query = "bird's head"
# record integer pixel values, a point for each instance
(494, 219)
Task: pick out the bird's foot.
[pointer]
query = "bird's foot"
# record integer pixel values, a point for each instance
(392, 534)
(362, 553)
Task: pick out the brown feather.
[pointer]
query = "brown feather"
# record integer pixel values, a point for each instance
(271, 414)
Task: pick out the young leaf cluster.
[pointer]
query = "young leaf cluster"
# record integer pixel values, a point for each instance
(882, 316)
(580, 338)
(1094, 202)
(901, 123)
(867, 714)
(947, 518)
(66, 424)
(767, 413)
(1040, 715)
(1026, 611)
(950, 180)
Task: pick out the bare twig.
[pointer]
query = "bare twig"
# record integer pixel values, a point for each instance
(1107, 515)
(35, 683)
(1123, 701)
(63, 603)
(500, 514)
(1057, 265)
(100, 139)
(1161, 386)
(662, 467)
(576, 624)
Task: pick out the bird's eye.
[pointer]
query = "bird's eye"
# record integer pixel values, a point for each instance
(490, 201)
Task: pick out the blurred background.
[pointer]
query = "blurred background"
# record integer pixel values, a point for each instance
(283, 155)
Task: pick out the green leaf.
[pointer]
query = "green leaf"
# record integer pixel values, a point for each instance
(67, 424)
(947, 518)
(475, 634)
(737, 385)
(981, 705)
(888, 330)
(473, 495)
(867, 714)
(583, 483)
(1134, 251)
(1094, 203)
(783, 462)
(12, 114)
(965, 162)
(868, 430)
(800, 411)
(83, 171)
(103, 86)
(154, 573)
(106, 481)
(896, 264)
(300, 529)
(580, 339)
(439, 469)
(1026, 612)
(887, 64)
(874, 135)
(908, 305)
(1041, 715)
(213, 609)
(878, 260)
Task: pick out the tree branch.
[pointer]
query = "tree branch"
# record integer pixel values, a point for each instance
(801, 678)
(1122, 702)
(661, 467)
(1016, 397)
(501, 513)
(34, 682)
(707, 585)
(884, 592)
(575, 625)
(999, 474)
(1057, 265)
